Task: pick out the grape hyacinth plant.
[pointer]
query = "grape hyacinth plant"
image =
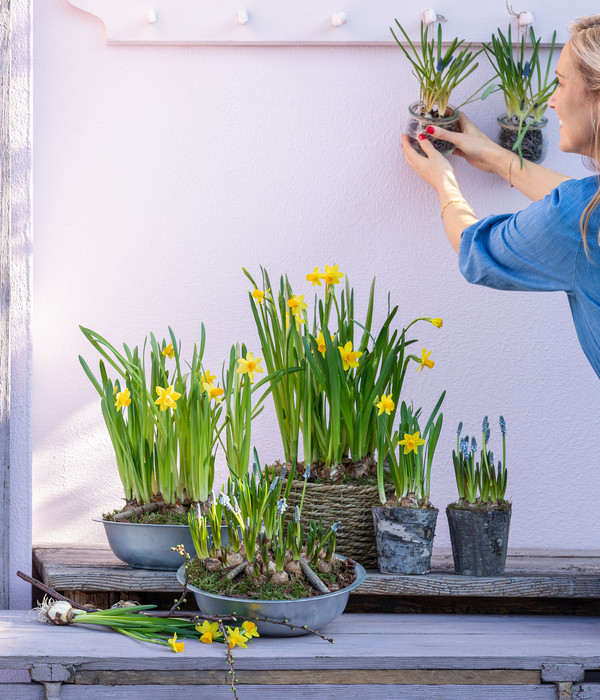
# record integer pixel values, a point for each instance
(480, 482)
(526, 85)
(439, 72)
(268, 556)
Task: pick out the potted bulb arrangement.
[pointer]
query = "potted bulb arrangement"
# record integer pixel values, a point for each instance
(526, 85)
(405, 522)
(439, 73)
(337, 368)
(480, 520)
(270, 569)
(165, 418)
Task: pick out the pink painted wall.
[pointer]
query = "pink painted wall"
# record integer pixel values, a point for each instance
(160, 171)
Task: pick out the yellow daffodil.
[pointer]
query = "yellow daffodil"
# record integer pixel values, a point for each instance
(249, 365)
(332, 275)
(321, 343)
(315, 277)
(236, 638)
(386, 404)
(207, 379)
(168, 351)
(412, 442)
(174, 644)
(250, 629)
(166, 397)
(209, 631)
(425, 361)
(299, 321)
(437, 322)
(214, 392)
(349, 356)
(297, 304)
(123, 399)
(259, 296)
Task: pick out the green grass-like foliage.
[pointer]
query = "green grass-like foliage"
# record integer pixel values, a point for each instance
(438, 72)
(328, 408)
(253, 509)
(410, 471)
(480, 481)
(525, 83)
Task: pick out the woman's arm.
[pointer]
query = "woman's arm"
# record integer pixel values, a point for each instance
(533, 180)
(456, 213)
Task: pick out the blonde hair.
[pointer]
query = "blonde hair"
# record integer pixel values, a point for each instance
(585, 49)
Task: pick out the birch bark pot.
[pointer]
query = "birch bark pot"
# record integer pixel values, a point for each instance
(404, 539)
(479, 540)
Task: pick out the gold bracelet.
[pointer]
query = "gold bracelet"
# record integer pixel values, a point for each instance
(512, 160)
(456, 201)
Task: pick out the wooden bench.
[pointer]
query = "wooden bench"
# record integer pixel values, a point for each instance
(421, 657)
(540, 581)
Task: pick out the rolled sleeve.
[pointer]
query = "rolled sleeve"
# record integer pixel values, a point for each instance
(533, 250)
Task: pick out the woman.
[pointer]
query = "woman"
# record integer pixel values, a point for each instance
(553, 244)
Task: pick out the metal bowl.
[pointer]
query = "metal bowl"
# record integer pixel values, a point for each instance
(315, 612)
(149, 546)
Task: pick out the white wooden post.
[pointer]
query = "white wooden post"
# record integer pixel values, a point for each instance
(5, 250)
(15, 297)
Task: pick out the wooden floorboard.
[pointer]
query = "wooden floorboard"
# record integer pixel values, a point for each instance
(296, 692)
(316, 677)
(362, 642)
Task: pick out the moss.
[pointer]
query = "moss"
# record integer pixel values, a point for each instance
(480, 506)
(167, 517)
(246, 586)
(158, 518)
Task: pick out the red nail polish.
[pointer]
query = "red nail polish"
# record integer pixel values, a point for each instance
(430, 130)
(422, 137)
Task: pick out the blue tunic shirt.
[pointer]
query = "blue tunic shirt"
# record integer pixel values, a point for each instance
(540, 249)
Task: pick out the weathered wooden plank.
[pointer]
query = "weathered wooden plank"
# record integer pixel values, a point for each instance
(586, 691)
(124, 578)
(96, 570)
(518, 561)
(22, 691)
(555, 586)
(107, 578)
(361, 642)
(5, 298)
(313, 677)
(314, 692)
(76, 554)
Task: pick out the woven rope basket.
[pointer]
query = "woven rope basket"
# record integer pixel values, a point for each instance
(349, 504)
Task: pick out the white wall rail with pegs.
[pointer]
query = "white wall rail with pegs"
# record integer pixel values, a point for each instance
(357, 22)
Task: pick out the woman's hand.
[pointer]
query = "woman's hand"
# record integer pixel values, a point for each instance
(474, 146)
(434, 168)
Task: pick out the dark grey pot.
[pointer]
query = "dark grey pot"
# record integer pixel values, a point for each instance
(479, 540)
(404, 539)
